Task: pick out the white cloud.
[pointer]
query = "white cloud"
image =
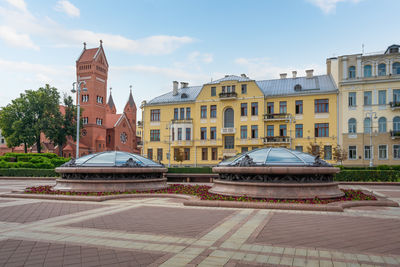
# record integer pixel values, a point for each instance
(20, 4)
(329, 6)
(202, 57)
(47, 29)
(67, 8)
(262, 68)
(10, 36)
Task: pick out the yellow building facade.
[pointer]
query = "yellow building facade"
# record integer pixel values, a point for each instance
(369, 97)
(201, 125)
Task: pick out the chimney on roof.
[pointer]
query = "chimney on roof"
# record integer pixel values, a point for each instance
(84, 45)
(184, 84)
(309, 73)
(101, 43)
(283, 75)
(227, 75)
(175, 88)
(294, 74)
(243, 75)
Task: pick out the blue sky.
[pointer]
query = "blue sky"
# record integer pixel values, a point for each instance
(150, 43)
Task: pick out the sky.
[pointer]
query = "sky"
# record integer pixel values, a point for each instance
(150, 43)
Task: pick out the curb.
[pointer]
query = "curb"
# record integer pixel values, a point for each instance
(24, 178)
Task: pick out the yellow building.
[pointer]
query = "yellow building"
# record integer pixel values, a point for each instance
(369, 97)
(204, 124)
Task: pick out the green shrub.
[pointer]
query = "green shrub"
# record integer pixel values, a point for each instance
(28, 172)
(57, 162)
(3, 164)
(190, 170)
(36, 160)
(368, 176)
(22, 164)
(46, 155)
(44, 165)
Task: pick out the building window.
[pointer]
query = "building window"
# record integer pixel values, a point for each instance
(203, 133)
(182, 113)
(213, 133)
(321, 105)
(283, 107)
(382, 97)
(186, 154)
(229, 142)
(396, 151)
(85, 120)
(282, 130)
(270, 130)
(382, 69)
(188, 113)
(254, 109)
(214, 153)
(244, 88)
(213, 111)
(367, 71)
(244, 149)
(382, 152)
(154, 135)
(367, 152)
(173, 133)
(327, 152)
(396, 68)
(352, 72)
(367, 98)
(243, 109)
(352, 99)
(176, 113)
(179, 134)
(85, 98)
(228, 118)
(150, 153)
(100, 99)
(243, 132)
(204, 153)
(396, 124)
(123, 137)
(2, 140)
(382, 124)
(188, 134)
(367, 125)
(299, 130)
(299, 106)
(159, 154)
(352, 152)
(203, 112)
(99, 121)
(270, 107)
(396, 96)
(352, 126)
(155, 115)
(213, 91)
(299, 148)
(322, 130)
(254, 131)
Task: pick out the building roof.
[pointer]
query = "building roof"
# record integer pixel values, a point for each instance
(277, 87)
(111, 120)
(231, 78)
(88, 54)
(110, 102)
(191, 93)
(131, 102)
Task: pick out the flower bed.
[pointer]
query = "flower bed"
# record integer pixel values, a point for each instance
(201, 191)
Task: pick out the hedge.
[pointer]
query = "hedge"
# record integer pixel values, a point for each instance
(31, 160)
(190, 170)
(24, 172)
(368, 176)
(17, 155)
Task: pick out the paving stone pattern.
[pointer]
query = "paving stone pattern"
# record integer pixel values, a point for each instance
(39, 211)
(159, 220)
(164, 232)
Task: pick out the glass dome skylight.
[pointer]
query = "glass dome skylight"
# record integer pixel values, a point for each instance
(114, 159)
(273, 157)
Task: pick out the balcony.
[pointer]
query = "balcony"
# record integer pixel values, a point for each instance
(395, 134)
(395, 105)
(140, 124)
(229, 130)
(182, 143)
(184, 121)
(276, 140)
(227, 95)
(277, 117)
(229, 152)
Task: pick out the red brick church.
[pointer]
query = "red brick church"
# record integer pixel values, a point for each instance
(103, 129)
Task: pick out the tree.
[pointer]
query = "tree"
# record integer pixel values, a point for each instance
(62, 125)
(339, 154)
(314, 149)
(15, 124)
(179, 155)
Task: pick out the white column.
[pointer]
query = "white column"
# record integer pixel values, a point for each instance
(389, 95)
(359, 72)
(387, 67)
(344, 65)
(375, 97)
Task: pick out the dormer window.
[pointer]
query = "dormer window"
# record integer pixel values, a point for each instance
(184, 95)
(297, 87)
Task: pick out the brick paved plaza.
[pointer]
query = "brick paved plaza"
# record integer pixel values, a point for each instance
(161, 231)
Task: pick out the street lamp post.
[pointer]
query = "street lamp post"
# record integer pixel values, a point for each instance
(371, 151)
(78, 104)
